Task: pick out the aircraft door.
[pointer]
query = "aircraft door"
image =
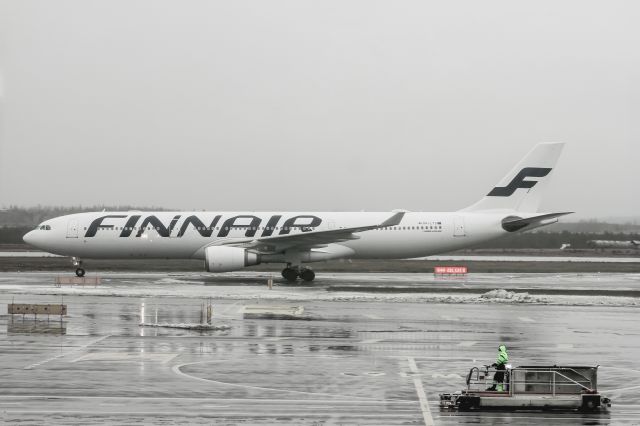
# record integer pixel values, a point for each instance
(458, 226)
(72, 229)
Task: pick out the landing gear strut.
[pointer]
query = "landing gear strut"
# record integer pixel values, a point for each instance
(291, 274)
(77, 262)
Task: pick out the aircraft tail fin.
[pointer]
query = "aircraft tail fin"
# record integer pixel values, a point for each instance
(522, 188)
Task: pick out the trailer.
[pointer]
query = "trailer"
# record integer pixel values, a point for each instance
(529, 388)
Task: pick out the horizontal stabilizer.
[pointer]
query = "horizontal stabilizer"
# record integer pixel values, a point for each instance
(516, 223)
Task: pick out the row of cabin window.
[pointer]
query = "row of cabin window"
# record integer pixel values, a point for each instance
(204, 228)
(409, 228)
(261, 228)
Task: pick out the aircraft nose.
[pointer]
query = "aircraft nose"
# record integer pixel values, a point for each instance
(29, 238)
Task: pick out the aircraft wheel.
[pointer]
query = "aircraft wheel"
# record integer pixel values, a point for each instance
(307, 275)
(290, 274)
(80, 272)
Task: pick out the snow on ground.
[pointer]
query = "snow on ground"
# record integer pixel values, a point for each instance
(491, 258)
(186, 326)
(307, 294)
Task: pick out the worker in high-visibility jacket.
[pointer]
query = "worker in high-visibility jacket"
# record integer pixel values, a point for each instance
(500, 366)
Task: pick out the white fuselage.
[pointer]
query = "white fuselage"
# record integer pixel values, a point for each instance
(233, 240)
(185, 235)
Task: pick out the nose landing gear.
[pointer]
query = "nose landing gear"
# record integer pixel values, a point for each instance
(291, 274)
(77, 262)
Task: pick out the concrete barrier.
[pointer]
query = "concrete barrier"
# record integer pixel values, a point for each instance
(272, 312)
(62, 280)
(35, 309)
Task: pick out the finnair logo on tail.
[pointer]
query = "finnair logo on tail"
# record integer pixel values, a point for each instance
(519, 181)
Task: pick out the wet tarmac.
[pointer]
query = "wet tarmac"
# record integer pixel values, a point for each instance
(357, 357)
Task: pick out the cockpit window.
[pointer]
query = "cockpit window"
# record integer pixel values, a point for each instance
(44, 227)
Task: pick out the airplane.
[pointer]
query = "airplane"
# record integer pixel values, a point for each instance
(619, 244)
(230, 241)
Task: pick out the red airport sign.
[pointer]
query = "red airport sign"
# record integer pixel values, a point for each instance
(450, 270)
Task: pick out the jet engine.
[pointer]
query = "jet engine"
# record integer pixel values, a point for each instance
(226, 259)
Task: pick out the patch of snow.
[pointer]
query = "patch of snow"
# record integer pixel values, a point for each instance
(505, 296)
(182, 326)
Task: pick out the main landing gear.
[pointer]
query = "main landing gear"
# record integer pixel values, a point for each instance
(292, 273)
(77, 262)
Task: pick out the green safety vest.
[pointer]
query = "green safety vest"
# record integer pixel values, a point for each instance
(503, 358)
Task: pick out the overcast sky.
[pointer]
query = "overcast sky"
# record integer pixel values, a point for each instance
(324, 105)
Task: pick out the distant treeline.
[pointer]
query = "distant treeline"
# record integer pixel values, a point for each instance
(553, 240)
(13, 235)
(592, 226)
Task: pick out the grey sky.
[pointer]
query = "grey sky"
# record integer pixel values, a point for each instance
(325, 105)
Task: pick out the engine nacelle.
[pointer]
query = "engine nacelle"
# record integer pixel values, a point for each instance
(226, 259)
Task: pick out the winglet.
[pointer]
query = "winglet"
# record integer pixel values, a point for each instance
(393, 220)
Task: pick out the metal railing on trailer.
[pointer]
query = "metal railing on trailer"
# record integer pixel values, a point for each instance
(550, 380)
(529, 387)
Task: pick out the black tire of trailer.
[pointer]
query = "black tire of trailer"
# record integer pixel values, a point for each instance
(468, 403)
(590, 403)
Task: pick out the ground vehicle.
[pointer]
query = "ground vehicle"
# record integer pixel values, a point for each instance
(530, 387)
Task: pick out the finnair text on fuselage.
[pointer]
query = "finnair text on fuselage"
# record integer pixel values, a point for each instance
(215, 227)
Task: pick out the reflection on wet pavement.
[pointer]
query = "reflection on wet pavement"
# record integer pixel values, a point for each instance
(350, 362)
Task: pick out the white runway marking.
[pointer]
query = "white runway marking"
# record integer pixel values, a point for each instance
(626, 371)
(372, 316)
(224, 313)
(368, 341)
(176, 369)
(622, 389)
(126, 357)
(564, 346)
(526, 319)
(206, 399)
(466, 344)
(182, 413)
(37, 364)
(435, 358)
(278, 339)
(422, 396)
(446, 376)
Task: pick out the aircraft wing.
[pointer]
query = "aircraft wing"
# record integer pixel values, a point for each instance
(311, 239)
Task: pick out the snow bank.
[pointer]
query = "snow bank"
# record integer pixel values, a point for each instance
(197, 327)
(505, 296)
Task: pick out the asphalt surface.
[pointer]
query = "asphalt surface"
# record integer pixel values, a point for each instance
(354, 357)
